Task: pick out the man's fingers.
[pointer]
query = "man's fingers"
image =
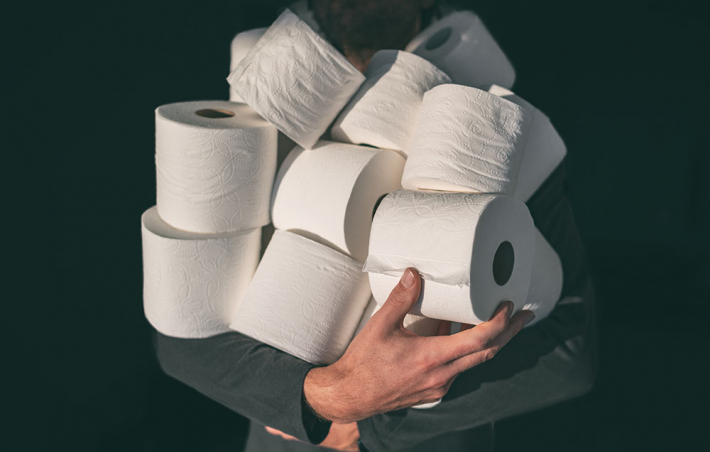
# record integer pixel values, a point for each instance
(516, 324)
(283, 435)
(401, 299)
(474, 339)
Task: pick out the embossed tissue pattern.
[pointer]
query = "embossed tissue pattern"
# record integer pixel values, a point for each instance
(214, 180)
(384, 111)
(192, 287)
(467, 137)
(296, 80)
(447, 220)
(305, 299)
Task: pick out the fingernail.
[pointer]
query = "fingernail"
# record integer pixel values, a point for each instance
(509, 307)
(506, 305)
(530, 318)
(407, 280)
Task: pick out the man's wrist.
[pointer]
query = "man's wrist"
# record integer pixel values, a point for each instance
(322, 389)
(311, 394)
(316, 427)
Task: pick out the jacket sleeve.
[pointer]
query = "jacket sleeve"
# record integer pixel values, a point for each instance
(247, 376)
(549, 362)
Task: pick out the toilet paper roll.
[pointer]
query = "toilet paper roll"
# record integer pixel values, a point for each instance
(244, 41)
(441, 301)
(546, 280)
(193, 283)
(482, 244)
(466, 140)
(544, 149)
(461, 46)
(329, 194)
(241, 45)
(383, 112)
(295, 79)
(215, 163)
(305, 299)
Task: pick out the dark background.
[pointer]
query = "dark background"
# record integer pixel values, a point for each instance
(624, 82)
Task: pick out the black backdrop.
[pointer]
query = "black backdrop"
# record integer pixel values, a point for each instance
(623, 81)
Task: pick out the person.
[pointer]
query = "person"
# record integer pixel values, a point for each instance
(362, 401)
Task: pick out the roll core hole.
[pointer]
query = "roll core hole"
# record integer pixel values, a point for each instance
(503, 263)
(214, 113)
(439, 38)
(377, 204)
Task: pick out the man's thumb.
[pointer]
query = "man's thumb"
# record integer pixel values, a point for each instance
(402, 297)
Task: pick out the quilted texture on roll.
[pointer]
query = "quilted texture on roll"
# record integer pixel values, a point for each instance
(295, 79)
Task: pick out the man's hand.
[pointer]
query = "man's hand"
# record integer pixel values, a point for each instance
(340, 437)
(387, 367)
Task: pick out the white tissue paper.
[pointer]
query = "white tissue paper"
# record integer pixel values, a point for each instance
(244, 41)
(441, 299)
(461, 46)
(295, 79)
(544, 148)
(329, 194)
(466, 140)
(241, 45)
(383, 112)
(215, 163)
(306, 299)
(194, 282)
(546, 280)
(481, 246)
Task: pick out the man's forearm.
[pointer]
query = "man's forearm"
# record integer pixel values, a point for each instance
(253, 379)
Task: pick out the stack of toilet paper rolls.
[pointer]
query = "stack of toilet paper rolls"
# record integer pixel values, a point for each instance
(383, 113)
(309, 293)
(215, 164)
(476, 156)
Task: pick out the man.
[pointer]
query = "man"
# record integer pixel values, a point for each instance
(364, 396)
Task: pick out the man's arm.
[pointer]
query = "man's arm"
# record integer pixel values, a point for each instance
(253, 379)
(552, 361)
(385, 368)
